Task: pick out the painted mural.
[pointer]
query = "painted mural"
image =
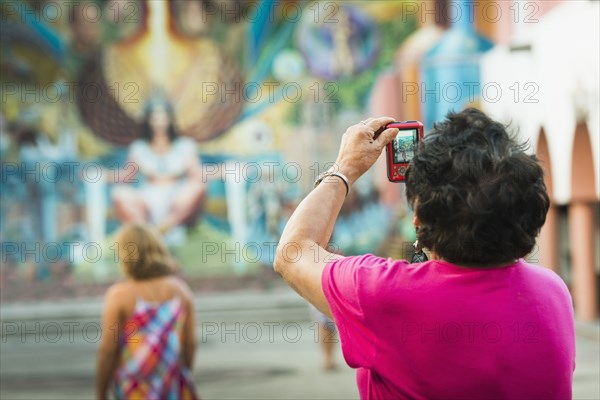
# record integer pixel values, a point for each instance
(207, 119)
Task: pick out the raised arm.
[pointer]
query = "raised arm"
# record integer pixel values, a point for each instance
(301, 254)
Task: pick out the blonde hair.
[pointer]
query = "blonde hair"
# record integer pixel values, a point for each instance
(141, 252)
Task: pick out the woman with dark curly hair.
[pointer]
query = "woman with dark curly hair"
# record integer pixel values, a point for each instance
(476, 321)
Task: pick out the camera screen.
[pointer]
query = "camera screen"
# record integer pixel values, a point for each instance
(404, 146)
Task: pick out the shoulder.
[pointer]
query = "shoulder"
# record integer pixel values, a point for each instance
(184, 141)
(363, 260)
(184, 146)
(546, 289)
(544, 276)
(117, 290)
(362, 275)
(367, 264)
(181, 288)
(118, 296)
(139, 146)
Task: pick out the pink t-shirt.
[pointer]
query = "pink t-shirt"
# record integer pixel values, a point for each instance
(436, 330)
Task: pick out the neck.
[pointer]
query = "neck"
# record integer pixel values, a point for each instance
(160, 138)
(499, 264)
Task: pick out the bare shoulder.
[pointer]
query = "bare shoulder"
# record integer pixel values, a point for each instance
(118, 294)
(116, 303)
(116, 290)
(181, 288)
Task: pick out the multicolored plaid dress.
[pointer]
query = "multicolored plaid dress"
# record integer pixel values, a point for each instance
(150, 365)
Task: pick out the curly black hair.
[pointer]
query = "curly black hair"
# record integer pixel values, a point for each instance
(480, 198)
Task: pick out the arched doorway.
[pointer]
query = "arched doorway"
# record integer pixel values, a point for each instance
(583, 216)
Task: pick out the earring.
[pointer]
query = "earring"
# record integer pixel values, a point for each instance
(419, 255)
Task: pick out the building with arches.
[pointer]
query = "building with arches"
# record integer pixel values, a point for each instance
(543, 79)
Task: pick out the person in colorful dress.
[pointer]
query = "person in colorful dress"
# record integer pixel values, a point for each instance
(147, 347)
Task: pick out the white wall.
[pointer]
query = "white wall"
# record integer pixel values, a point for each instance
(556, 86)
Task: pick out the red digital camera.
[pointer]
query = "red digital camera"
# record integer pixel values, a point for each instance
(402, 149)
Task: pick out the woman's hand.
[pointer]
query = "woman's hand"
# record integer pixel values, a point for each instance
(360, 149)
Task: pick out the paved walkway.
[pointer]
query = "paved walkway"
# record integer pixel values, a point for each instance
(251, 345)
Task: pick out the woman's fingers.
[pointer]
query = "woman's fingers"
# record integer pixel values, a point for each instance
(386, 137)
(371, 126)
(360, 148)
(378, 123)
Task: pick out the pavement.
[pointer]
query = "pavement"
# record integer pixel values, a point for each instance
(252, 344)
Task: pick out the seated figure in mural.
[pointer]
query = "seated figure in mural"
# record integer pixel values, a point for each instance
(171, 187)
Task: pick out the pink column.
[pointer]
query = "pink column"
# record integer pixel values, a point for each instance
(385, 101)
(547, 249)
(408, 60)
(581, 227)
(584, 284)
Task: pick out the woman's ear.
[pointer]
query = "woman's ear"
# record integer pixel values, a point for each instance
(416, 221)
